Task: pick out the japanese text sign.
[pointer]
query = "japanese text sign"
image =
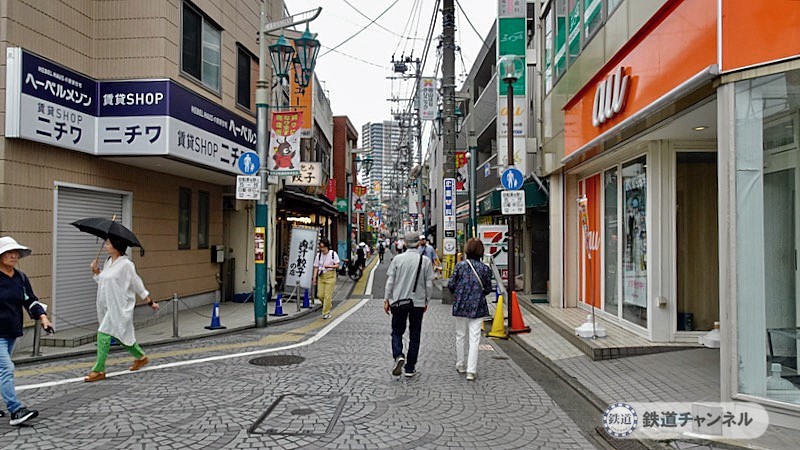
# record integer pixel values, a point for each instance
(284, 143)
(310, 175)
(462, 172)
(428, 98)
(302, 251)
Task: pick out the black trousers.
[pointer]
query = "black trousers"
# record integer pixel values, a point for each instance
(412, 316)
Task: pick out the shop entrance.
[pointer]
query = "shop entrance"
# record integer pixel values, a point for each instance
(696, 240)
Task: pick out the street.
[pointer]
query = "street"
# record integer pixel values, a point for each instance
(326, 385)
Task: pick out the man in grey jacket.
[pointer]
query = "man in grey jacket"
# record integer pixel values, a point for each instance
(408, 290)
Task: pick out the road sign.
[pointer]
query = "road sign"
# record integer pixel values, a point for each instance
(512, 202)
(511, 179)
(249, 163)
(449, 246)
(248, 187)
(449, 194)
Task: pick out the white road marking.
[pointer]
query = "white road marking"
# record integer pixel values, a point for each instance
(322, 333)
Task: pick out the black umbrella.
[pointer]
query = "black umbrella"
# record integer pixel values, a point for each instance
(105, 228)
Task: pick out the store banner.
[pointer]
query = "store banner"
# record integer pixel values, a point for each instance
(302, 101)
(413, 202)
(511, 39)
(462, 172)
(310, 174)
(359, 199)
(495, 243)
(428, 98)
(302, 251)
(284, 144)
(589, 217)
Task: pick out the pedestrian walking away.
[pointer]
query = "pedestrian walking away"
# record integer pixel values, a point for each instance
(361, 256)
(15, 293)
(324, 275)
(470, 284)
(118, 284)
(381, 251)
(408, 290)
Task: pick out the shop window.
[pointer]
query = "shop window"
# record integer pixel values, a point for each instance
(574, 30)
(560, 55)
(548, 51)
(634, 245)
(200, 47)
(184, 218)
(203, 215)
(246, 76)
(592, 17)
(767, 220)
(611, 240)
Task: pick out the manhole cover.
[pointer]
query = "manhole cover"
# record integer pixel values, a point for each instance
(300, 415)
(277, 360)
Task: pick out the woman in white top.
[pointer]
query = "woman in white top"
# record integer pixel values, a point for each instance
(325, 265)
(117, 287)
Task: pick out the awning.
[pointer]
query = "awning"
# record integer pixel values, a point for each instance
(534, 198)
(302, 202)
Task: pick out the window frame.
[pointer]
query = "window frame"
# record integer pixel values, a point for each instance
(184, 218)
(203, 218)
(205, 21)
(242, 51)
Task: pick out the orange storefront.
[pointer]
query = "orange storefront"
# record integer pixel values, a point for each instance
(683, 147)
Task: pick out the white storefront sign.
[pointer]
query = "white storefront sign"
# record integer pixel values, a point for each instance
(310, 175)
(302, 251)
(610, 97)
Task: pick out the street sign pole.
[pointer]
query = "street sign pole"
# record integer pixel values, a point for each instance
(510, 159)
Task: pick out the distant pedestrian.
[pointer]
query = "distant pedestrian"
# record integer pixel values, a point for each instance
(361, 256)
(425, 248)
(15, 293)
(408, 290)
(324, 275)
(117, 287)
(470, 284)
(381, 251)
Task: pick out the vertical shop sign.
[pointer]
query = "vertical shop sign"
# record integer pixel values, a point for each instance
(462, 173)
(428, 98)
(359, 199)
(302, 251)
(284, 144)
(449, 202)
(260, 247)
(589, 216)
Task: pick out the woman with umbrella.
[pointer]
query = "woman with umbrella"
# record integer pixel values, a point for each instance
(117, 287)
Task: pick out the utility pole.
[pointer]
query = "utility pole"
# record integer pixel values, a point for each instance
(448, 121)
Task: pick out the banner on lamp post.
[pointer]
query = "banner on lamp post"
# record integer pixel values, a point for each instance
(284, 144)
(462, 172)
(359, 199)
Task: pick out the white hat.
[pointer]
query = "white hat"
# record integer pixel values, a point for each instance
(8, 243)
(362, 244)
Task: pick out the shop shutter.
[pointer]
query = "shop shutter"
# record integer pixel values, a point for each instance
(75, 290)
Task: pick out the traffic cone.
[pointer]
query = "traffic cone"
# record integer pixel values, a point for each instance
(306, 303)
(215, 325)
(515, 322)
(498, 324)
(279, 306)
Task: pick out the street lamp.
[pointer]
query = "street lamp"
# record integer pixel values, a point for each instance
(510, 69)
(281, 55)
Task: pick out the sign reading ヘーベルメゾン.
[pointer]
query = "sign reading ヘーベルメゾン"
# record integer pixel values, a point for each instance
(66, 109)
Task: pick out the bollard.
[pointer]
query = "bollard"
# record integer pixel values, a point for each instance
(175, 315)
(37, 340)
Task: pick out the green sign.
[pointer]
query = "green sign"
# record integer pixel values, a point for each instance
(341, 205)
(511, 40)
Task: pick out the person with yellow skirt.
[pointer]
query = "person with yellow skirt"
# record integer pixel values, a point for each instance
(325, 265)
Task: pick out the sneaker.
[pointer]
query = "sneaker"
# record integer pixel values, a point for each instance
(326, 316)
(470, 376)
(397, 370)
(22, 415)
(460, 368)
(411, 373)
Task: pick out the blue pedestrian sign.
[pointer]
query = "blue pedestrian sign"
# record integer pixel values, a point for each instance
(249, 163)
(511, 179)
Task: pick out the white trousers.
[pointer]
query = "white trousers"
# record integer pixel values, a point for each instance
(464, 326)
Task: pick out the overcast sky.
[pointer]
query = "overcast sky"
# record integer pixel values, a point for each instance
(354, 74)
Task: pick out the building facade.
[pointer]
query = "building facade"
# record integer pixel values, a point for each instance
(670, 133)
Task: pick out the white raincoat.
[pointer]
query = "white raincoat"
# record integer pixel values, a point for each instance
(117, 287)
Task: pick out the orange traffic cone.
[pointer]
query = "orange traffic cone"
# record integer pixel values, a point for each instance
(498, 324)
(515, 322)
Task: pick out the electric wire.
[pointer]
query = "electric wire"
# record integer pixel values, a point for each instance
(359, 31)
(471, 25)
(368, 18)
(354, 57)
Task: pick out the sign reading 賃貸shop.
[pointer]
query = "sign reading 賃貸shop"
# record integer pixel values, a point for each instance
(119, 118)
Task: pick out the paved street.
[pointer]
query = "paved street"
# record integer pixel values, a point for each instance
(331, 389)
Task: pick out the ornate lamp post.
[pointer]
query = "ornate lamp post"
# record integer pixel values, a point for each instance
(510, 69)
(281, 56)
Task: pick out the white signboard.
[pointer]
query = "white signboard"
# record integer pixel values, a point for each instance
(310, 175)
(302, 251)
(428, 98)
(519, 161)
(520, 116)
(449, 246)
(413, 202)
(248, 187)
(512, 202)
(495, 242)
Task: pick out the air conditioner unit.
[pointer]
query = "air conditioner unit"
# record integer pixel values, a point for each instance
(230, 203)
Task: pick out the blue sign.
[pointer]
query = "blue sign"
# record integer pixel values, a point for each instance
(449, 190)
(511, 179)
(249, 163)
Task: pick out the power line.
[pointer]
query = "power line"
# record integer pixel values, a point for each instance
(368, 18)
(359, 31)
(354, 57)
(471, 25)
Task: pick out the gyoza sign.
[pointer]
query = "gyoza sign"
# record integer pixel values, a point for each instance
(119, 118)
(310, 175)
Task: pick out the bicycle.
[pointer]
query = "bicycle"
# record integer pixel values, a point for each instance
(351, 270)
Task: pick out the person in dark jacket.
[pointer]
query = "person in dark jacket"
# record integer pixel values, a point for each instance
(470, 284)
(15, 293)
